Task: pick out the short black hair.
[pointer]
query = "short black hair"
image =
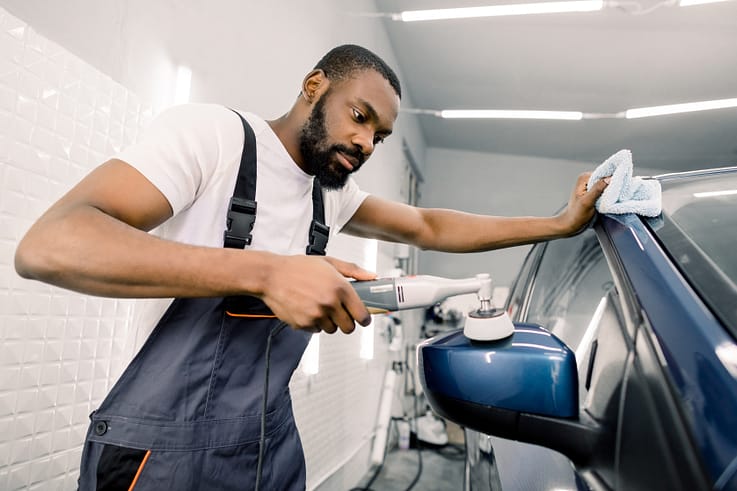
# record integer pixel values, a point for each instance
(342, 62)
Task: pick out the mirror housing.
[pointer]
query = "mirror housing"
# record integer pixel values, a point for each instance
(524, 387)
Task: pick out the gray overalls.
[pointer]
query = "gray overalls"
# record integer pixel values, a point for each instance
(187, 412)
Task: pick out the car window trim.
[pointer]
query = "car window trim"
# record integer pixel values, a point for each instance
(531, 279)
(631, 310)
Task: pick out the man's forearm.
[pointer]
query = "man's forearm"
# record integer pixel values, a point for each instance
(91, 252)
(453, 231)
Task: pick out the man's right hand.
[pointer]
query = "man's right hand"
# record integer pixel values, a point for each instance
(312, 293)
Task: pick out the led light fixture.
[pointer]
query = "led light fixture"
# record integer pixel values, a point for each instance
(641, 112)
(500, 10)
(367, 341)
(311, 358)
(687, 3)
(509, 114)
(644, 112)
(182, 86)
(712, 194)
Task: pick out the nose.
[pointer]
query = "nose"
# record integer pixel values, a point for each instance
(364, 140)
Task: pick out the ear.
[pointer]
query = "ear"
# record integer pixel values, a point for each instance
(314, 85)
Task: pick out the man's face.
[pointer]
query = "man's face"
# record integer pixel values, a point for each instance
(320, 156)
(345, 124)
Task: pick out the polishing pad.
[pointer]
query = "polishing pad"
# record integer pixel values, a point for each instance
(488, 325)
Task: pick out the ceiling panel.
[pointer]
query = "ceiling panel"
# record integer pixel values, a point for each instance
(598, 62)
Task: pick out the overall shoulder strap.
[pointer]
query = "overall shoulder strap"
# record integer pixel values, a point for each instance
(319, 232)
(242, 206)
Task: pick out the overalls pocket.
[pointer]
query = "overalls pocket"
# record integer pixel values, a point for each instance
(119, 468)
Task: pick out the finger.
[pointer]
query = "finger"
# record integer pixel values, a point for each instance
(351, 270)
(328, 326)
(355, 307)
(599, 186)
(344, 321)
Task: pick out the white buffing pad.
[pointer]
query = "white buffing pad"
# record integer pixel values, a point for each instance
(488, 326)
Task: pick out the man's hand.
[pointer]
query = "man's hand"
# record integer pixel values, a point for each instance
(581, 205)
(312, 293)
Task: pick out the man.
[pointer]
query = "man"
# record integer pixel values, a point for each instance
(202, 402)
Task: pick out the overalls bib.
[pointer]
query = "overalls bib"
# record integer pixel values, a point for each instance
(187, 412)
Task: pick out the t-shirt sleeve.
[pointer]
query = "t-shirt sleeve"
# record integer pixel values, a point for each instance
(340, 205)
(180, 150)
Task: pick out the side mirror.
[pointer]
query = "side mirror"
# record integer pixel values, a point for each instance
(524, 388)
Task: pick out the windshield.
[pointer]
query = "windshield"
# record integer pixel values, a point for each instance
(699, 231)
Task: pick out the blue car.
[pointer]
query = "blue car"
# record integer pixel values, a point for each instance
(622, 370)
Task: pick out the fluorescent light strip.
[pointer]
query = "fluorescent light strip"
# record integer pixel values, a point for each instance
(711, 194)
(501, 10)
(182, 86)
(366, 351)
(644, 112)
(311, 357)
(688, 3)
(509, 114)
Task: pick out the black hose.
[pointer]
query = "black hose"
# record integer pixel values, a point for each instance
(417, 439)
(262, 437)
(367, 487)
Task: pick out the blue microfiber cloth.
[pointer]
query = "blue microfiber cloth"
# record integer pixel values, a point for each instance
(626, 194)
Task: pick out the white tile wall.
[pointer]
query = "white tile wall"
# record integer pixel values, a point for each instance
(59, 351)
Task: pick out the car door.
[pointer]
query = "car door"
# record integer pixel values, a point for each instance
(581, 293)
(566, 286)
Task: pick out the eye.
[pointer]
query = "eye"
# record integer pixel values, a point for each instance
(358, 116)
(378, 139)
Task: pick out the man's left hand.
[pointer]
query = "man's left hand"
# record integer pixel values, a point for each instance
(581, 205)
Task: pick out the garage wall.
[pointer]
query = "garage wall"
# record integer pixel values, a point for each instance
(59, 351)
(78, 80)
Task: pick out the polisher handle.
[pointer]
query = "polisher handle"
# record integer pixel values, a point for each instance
(379, 296)
(409, 292)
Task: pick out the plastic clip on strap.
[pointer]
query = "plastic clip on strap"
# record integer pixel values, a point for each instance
(241, 217)
(319, 235)
(242, 207)
(319, 232)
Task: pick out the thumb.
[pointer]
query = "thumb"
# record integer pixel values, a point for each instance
(599, 187)
(350, 270)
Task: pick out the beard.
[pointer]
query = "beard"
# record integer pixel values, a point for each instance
(319, 156)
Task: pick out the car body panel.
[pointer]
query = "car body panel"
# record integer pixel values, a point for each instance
(691, 341)
(466, 370)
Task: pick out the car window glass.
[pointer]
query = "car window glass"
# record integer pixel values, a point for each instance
(517, 295)
(697, 230)
(573, 295)
(704, 211)
(571, 283)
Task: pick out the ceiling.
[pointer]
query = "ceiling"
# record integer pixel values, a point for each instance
(596, 62)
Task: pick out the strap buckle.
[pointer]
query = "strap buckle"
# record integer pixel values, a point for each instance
(240, 220)
(319, 235)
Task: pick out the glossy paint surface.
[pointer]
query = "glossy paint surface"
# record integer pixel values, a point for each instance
(697, 352)
(532, 371)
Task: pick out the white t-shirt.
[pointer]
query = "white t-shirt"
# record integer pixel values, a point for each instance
(192, 153)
